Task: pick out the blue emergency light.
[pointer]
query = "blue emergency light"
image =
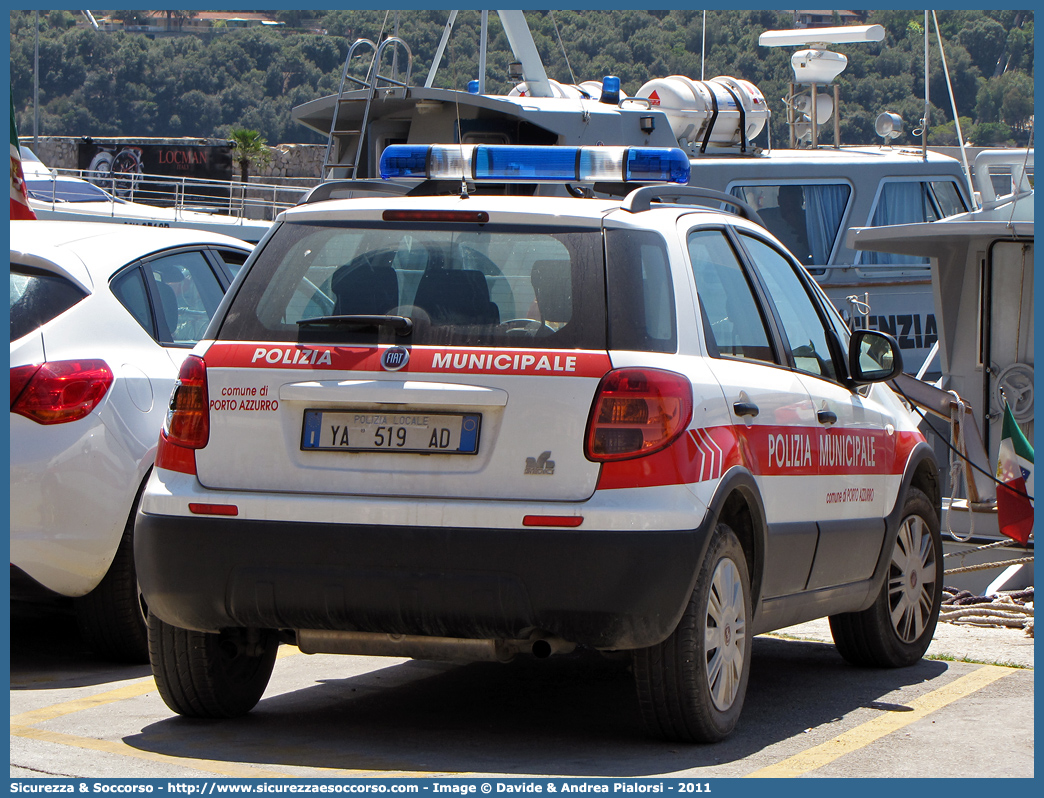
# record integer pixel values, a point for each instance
(505, 163)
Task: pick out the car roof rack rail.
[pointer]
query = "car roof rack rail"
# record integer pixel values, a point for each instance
(641, 199)
(347, 189)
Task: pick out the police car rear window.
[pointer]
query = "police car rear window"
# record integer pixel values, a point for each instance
(641, 301)
(465, 285)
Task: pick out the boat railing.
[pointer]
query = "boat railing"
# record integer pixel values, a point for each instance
(252, 200)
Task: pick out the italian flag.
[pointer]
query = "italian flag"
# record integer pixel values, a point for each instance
(1015, 471)
(19, 199)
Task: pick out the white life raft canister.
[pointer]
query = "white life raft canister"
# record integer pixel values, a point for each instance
(690, 106)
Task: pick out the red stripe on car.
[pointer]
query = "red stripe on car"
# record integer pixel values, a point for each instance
(423, 359)
(706, 453)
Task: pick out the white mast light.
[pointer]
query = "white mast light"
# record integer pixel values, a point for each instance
(889, 126)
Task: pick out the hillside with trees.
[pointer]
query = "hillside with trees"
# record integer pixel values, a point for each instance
(123, 83)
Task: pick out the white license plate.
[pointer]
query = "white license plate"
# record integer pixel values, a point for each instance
(383, 431)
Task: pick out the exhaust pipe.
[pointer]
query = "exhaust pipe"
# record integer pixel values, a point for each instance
(544, 647)
(378, 644)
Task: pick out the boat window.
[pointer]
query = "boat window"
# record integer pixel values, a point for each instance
(948, 198)
(37, 297)
(732, 318)
(900, 202)
(806, 218)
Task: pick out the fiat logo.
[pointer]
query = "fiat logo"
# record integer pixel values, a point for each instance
(395, 358)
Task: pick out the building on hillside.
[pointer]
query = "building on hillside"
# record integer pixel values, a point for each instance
(159, 23)
(826, 19)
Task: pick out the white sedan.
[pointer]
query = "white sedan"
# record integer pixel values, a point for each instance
(101, 318)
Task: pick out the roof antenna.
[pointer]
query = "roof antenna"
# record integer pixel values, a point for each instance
(703, 44)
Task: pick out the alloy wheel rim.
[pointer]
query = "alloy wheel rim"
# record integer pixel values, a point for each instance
(725, 640)
(911, 579)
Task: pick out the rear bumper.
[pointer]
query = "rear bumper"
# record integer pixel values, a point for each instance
(608, 589)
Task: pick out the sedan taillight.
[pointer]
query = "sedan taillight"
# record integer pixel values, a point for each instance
(59, 392)
(637, 411)
(187, 426)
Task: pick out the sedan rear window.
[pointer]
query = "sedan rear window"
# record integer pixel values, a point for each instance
(37, 297)
(464, 285)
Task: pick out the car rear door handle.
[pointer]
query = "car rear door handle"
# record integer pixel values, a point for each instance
(827, 417)
(746, 409)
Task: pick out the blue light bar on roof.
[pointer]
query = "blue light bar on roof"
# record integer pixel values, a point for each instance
(510, 163)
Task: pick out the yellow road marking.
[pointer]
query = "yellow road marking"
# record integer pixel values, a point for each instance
(132, 690)
(122, 749)
(23, 723)
(823, 754)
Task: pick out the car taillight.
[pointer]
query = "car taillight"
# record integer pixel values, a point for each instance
(636, 412)
(20, 376)
(60, 391)
(187, 426)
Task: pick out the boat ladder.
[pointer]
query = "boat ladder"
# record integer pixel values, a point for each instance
(340, 141)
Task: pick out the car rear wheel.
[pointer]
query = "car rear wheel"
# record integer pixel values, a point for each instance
(692, 685)
(205, 675)
(112, 616)
(897, 629)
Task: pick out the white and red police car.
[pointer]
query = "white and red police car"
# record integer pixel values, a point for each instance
(476, 425)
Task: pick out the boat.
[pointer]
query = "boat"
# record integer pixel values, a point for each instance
(808, 195)
(62, 194)
(983, 283)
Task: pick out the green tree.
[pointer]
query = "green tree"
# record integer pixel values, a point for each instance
(250, 150)
(124, 83)
(985, 40)
(991, 134)
(945, 135)
(128, 17)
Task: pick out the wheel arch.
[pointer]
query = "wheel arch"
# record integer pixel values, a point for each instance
(923, 474)
(738, 503)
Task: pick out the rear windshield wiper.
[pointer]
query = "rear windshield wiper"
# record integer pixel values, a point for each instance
(402, 325)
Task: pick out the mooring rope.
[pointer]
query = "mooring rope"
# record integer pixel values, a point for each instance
(984, 547)
(984, 566)
(1013, 609)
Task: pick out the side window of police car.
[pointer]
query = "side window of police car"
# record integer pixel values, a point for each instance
(798, 315)
(732, 319)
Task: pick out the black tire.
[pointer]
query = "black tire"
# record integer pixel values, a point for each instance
(898, 628)
(112, 616)
(204, 675)
(690, 692)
